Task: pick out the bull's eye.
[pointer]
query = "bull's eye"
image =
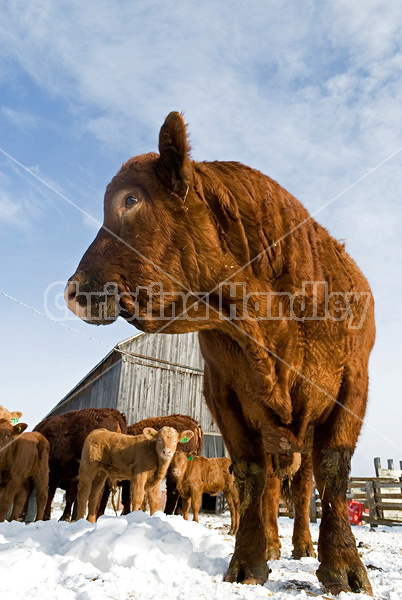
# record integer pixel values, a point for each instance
(131, 200)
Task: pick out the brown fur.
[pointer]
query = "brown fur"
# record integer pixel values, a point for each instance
(8, 416)
(66, 434)
(143, 459)
(272, 384)
(22, 456)
(196, 475)
(179, 422)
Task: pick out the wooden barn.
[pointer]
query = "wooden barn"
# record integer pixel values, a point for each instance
(149, 375)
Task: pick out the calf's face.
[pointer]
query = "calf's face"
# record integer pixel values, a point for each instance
(166, 440)
(9, 432)
(158, 244)
(178, 464)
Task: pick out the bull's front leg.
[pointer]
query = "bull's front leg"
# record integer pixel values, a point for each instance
(248, 564)
(341, 569)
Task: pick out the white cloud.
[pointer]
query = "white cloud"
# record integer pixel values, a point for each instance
(9, 211)
(307, 92)
(21, 119)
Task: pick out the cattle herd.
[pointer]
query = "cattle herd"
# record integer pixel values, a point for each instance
(88, 451)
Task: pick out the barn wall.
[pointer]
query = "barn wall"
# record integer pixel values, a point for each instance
(169, 381)
(158, 391)
(182, 349)
(151, 389)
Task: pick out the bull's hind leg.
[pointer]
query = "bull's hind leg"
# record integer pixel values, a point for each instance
(301, 488)
(341, 569)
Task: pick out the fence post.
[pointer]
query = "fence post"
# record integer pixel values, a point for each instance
(370, 494)
(390, 463)
(377, 465)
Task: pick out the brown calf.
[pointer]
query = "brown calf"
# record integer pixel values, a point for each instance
(196, 475)
(180, 423)
(22, 456)
(143, 459)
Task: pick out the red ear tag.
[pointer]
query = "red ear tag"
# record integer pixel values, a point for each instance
(183, 440)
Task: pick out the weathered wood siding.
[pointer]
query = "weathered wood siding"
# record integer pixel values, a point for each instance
(151, 388)
(147, 375)
(100, 389)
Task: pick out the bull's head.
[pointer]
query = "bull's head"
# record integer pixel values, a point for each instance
(159, 245)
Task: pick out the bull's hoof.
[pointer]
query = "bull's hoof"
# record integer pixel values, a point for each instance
(303, 550)
(273, 553)
(255, 573)
(66, 518)
(351, 578)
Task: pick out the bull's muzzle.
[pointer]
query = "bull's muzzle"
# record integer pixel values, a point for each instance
(92, 302)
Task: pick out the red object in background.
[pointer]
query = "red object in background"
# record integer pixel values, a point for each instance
(355, 512)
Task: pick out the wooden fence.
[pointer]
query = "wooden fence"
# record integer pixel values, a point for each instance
(381, 496)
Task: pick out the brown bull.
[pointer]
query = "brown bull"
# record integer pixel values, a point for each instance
(286, 324)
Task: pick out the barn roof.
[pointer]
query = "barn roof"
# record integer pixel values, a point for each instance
(146, 375)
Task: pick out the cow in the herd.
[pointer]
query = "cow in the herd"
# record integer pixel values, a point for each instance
(143, 459)
(179, 422)
(197, 475)
(66, 434)
(23, 456)
(285, 321)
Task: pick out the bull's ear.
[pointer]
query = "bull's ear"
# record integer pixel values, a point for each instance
(185, 436)
(19, 428)
(149, 432)
(174, 165)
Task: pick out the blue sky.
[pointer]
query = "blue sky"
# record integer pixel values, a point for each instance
(309, 93)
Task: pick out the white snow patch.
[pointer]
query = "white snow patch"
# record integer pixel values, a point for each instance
(166, 558)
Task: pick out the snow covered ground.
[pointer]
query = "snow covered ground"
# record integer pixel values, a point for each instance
(166, 558)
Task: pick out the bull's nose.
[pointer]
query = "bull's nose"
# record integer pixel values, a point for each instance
(167, 452)
(70, 297)
(70, 292)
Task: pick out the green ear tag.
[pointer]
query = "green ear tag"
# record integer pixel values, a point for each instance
(190, 458)
(183, 440)
(14, 420)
